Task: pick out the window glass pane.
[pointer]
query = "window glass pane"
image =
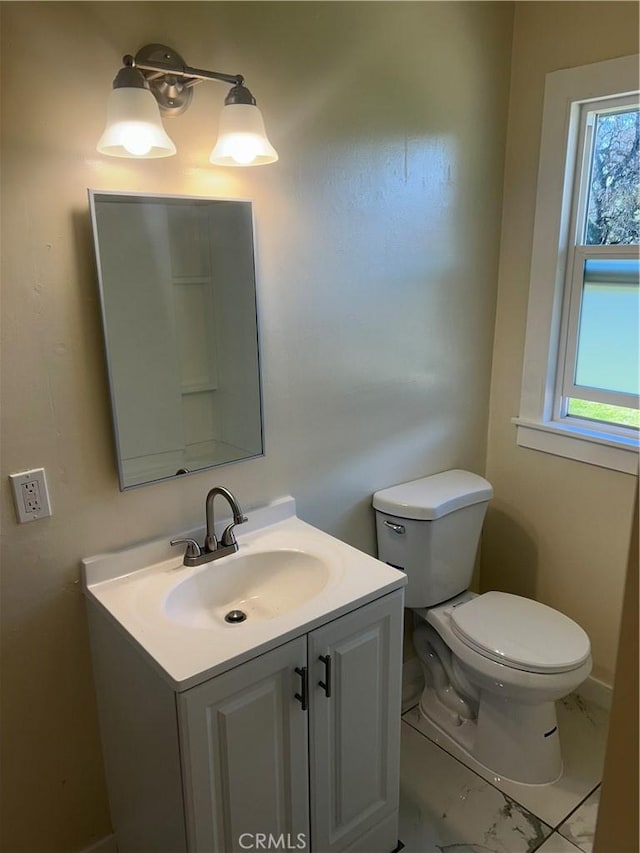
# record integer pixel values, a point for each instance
(613, 210)
(608, 333)
(619, 415)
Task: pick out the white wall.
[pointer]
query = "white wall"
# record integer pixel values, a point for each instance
(377, 245)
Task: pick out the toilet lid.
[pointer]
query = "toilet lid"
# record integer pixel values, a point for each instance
(520, 633)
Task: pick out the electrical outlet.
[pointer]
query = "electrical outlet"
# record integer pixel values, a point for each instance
(30, 495)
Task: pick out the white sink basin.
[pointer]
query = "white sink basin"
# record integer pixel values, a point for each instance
(287, 576)
(263, 585)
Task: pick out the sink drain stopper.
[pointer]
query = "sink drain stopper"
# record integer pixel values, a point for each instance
(235, 616)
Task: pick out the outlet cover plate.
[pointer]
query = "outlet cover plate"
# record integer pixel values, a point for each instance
(30, 495)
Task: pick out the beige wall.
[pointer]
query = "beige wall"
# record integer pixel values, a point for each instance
(377, 240)
(558, 530)
(618, 821)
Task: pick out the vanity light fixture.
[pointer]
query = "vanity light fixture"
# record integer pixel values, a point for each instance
(156, 81)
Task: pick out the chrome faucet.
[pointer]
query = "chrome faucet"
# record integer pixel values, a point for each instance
(212, 548)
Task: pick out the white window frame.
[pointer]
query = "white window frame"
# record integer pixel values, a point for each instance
(541, 425)
(578, 253)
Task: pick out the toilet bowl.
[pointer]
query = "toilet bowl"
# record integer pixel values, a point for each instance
(510, 682)
(494, 664)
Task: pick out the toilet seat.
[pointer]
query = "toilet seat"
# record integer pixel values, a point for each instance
(520, 633)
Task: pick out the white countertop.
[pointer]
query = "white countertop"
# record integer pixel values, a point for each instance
(133, 586)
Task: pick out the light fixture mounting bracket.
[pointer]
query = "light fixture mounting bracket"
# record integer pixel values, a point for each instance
(172, 91)
(170, 79)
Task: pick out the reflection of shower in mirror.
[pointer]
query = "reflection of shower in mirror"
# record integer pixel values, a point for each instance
(178, 297)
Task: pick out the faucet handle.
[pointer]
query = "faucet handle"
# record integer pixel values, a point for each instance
(228, 537)
(193, 549)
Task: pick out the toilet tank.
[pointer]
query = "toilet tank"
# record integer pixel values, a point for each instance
(430, 528)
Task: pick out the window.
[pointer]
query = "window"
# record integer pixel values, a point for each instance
(600, 379)
(581, 376)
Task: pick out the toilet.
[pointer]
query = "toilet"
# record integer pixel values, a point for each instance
(494, 664)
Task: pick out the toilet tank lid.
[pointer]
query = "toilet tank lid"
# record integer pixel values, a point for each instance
(432, 497)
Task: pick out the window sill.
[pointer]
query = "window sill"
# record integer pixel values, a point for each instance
(583, 445)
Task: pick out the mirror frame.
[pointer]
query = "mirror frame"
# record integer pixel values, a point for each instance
(94, 195)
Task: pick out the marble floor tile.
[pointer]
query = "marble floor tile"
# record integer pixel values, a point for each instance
(583, 734)
(557, 844)
(580, 827)
(444, 806)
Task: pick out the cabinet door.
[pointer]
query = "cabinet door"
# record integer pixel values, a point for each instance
(244, 750)
(355, 733)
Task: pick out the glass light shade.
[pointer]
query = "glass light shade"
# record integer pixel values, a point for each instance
(134, 127)
(242, 139)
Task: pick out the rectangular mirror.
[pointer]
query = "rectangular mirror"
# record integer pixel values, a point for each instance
(178, 298)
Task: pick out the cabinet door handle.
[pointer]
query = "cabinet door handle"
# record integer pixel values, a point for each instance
(326, 684)
(303, 698)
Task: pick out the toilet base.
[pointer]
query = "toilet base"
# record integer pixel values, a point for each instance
(515, 742)
(462, 731)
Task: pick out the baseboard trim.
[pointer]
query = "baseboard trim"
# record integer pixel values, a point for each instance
(596, 691)
(105, 845)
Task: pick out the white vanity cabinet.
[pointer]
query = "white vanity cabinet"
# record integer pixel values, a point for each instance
(244, 751)
(300, 742)
(354, 734)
